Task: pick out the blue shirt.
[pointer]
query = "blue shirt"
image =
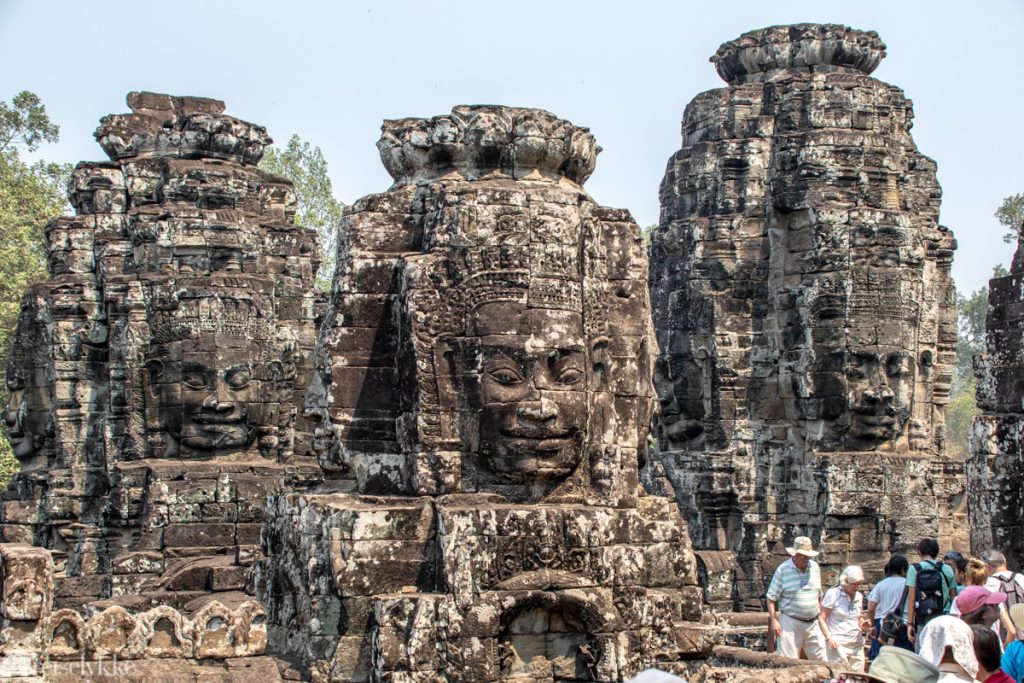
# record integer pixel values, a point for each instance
(1013, 661)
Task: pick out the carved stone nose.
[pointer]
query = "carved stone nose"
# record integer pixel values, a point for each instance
(881, 394)
(543, 410)
(215, 402)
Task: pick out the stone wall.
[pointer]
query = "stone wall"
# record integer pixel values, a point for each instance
(805, 311)
(996, 465)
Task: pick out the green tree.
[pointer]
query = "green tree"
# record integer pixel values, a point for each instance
(647, 232)
(972, 311)
(30, 196)
(1011, 214)
(306, 167)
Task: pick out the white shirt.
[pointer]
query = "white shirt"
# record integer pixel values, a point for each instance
(887, 594)
(994, 584)
(844, 619)
(953, 673)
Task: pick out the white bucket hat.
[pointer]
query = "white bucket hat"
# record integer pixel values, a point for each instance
(803, 546)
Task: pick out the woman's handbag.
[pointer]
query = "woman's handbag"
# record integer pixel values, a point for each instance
(894, 626)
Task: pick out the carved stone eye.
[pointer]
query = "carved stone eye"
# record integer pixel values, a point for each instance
(238, 377)
(898, 365)
(505, 375)
(194, 379)
(569, 376)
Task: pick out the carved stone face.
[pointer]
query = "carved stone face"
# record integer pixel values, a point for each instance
(26, 418)
(678, 381)
(205, 399)
(880, 392)
(527, 380)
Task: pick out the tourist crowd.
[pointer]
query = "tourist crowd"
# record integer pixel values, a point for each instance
(951, 619)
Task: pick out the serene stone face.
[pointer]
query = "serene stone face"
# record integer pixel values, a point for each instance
(880, 391)
(530, 390)
(205, 399)
(25, 422)
(679, 383)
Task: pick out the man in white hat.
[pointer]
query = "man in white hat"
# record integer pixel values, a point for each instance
(794, 604)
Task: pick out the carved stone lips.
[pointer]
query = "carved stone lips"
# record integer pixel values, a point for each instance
(538, 434)
(214, 420)
(884, 413)
(876, 420)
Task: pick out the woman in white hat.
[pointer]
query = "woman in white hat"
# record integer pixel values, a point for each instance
(845, 619)
(948, 643)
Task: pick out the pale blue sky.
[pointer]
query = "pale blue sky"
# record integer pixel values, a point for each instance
(331, 72)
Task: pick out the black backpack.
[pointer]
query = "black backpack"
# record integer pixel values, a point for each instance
(931, 593)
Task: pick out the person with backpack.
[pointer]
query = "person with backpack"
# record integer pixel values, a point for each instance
(977, 576)
(931, 587)
(1001, 579)
(957, 560)
(886, 598)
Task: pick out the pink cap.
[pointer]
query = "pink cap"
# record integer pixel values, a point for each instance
(975, 597)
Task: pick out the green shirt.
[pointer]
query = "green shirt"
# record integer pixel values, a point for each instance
(796, 592)
(947, 572)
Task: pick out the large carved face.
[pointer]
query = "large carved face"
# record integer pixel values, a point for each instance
(205, 399)
(880, 393)
(528, 378)
(678, 380)
(26, 417)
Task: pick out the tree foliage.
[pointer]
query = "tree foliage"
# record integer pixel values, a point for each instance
(1011, 214)
(306, 167)
(647, 232)
(30, 196)
(972, 311)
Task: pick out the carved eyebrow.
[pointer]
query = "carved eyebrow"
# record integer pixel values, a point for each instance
(565, 352)
(195, 367)
(509, 352)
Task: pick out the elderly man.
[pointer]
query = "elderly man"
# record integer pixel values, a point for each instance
(794, 604)
(1002, 580)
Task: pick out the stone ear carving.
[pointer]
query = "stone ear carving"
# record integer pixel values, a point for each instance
(151, 374)
(445, 360)
(154, 370)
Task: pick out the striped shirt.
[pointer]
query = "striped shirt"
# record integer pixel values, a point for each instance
(796, 592)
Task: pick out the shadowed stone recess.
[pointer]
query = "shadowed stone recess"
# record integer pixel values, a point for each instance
(804, 310)
(996, 466)
(155, 381)
(484, 398)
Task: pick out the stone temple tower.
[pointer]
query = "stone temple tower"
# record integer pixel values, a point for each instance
(996, 464)
(483, 385)
(804, 310)
(156, 376)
